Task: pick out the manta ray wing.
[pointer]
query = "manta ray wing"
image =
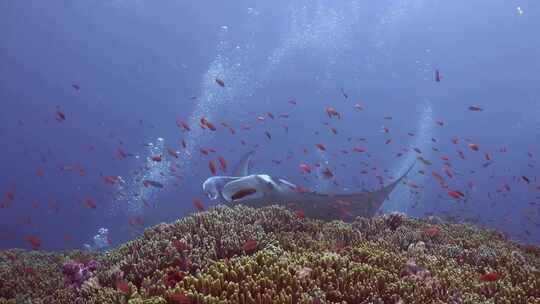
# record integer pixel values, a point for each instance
(344, 206)
(244, 165)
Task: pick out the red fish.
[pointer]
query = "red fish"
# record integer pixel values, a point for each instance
(172, 152)
(243, 193)
(40, 172)
(359, 149)
(473, 147)
(330, 111)
(206, 123)
(333, 130)
(305, 168)
(60, 116)
(198, 204)
(203, 151)
(320, 147)
(90, 203)
(455, 194)
(300, 214)
(123, 286)
(475, 109)
(432, 232)
(183, 125)
(34, 241)
(111, 179)
(250, 246)
(327, 174)
(179, 298)
(156, 158)
(490, 277)
(212, 167)
(222, 164)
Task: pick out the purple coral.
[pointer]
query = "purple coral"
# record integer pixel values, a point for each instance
(76, 273)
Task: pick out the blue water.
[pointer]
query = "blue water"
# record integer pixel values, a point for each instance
(139, 63)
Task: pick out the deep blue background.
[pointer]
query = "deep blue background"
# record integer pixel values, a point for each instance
(139, 62)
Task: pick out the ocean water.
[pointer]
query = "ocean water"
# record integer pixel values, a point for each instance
(94, 96)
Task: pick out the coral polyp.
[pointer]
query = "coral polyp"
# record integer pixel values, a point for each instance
(200, 259)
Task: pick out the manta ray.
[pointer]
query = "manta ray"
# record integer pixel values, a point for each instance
(259, 190)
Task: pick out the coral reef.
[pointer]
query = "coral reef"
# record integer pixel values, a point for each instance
(271, 255)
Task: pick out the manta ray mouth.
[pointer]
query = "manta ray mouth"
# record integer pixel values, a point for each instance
(242, 189)
(243, 193)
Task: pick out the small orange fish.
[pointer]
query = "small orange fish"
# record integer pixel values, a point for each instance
(156, 158)
(432, 232)
(455, 194)
(473, 147)
(212, 167)
(330, 111)
(320, 147)
(34, 241)
(250, 246)
(123, 286)
(222, 164)
(198, 204)
(183, 125)
(90, 203)
(305, 168)
(490, 277)
(60, 116)
(475, 108)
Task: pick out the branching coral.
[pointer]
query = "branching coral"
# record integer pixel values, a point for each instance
(203, 259)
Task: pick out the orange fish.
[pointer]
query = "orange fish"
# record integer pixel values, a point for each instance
(490, 277)
(179, 298)
(123, 286)
(222, 164)
(250, 246)
(198, 204)
(330, 111)
(305, 168)
(206, 123)
(475, 108)
(90, 203)
(34, 241)
(212, 167)
(432, 232)
(60, 116)
(156, 158)
(473, 147)
(455, 194)
(183, 125)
